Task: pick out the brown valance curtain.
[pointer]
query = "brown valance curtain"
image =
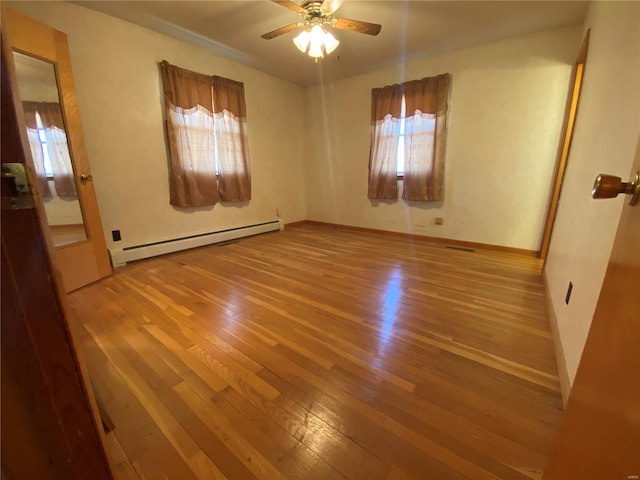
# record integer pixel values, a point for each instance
(57, 148)
(386, 104)
(198, 134)
(429, 95)
(50, 114)
(426, 101)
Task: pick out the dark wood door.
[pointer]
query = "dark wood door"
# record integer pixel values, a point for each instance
(49, 428)
(600, 433)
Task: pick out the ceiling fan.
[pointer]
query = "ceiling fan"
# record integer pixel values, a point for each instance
(316, 15)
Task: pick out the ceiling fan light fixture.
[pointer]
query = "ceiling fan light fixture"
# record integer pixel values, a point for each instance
(315, 50)
(330, 43)
(302, 41)
(316, 42)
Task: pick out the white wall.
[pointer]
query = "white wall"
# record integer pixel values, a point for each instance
(604, 141)
(506, 110)
(119, 93)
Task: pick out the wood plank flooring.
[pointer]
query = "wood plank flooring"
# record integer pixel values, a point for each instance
(317, 353)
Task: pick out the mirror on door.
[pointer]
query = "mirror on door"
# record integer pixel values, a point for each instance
(46, 132)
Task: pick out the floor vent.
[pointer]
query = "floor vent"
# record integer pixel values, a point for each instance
(138, 252)
(464, 249)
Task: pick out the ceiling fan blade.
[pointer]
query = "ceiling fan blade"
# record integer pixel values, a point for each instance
(280, 31)
(357, 26)
(330, 6)
(291, 6)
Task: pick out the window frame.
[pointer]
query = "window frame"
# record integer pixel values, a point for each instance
(401, 135)
(42, 138)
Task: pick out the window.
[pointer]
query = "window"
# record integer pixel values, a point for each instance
(407, 139)
(49, 149)
(42, 138)
(400, 154)
(206, 132)
(428, 127)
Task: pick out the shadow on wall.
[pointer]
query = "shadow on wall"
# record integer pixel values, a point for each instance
(208, 208)
(425, 205)
(375, 202)
(420, 205)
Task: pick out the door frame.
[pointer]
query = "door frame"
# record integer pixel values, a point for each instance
(565, 147)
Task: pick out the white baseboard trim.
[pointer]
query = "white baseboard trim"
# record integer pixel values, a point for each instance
(561, 362)
(138, 252)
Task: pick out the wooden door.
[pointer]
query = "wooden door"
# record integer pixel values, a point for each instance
(50, 428)
(84, 260)
(599, 437)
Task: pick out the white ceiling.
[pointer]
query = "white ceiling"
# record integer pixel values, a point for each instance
(410, 30)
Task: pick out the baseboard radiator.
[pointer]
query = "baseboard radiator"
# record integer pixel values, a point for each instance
(138, 252)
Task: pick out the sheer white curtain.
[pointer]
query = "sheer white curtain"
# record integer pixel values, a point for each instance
(60, 162)
(383, 164)
(230, 125)
(386, 104)
(193, 129)
(38, 161)
(231, 147)
(425, 138)
(419, 140)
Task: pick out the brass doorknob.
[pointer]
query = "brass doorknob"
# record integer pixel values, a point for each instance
(86, 178)
(609, 186)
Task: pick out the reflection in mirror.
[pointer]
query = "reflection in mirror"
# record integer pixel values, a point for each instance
(48, 141)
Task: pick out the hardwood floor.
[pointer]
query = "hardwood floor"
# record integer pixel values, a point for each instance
(317, 353)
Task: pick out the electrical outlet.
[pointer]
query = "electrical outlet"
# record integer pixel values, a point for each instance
(116, 235)
(568, 295)
(439, 220)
